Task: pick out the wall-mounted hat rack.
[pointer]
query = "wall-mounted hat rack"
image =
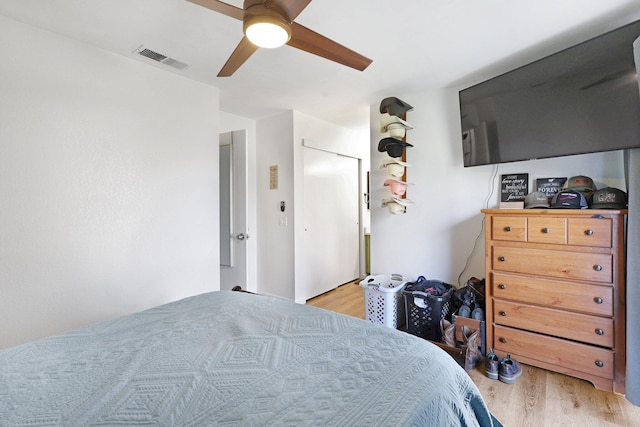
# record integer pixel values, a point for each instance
(393, 122)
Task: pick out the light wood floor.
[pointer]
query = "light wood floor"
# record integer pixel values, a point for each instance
(538, 398)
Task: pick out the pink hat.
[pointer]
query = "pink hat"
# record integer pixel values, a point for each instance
(397, 187)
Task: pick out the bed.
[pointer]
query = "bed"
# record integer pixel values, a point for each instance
(236, 359)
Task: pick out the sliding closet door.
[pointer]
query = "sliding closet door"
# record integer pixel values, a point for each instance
(331, 222)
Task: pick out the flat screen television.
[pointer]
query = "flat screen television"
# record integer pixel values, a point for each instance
(583, 99)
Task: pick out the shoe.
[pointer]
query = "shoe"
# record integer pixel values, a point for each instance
(464, 311)
(473, 354)
(448, 331)
(477, 314)
(509, 370)
(491, 365)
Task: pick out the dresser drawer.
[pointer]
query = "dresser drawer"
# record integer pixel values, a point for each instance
(547, 230)
(556, 351)
(575, 326)
(509, 228)
(590, 232)
(591, 299)
(559, 264)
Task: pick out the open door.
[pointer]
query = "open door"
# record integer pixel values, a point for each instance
(233, 210)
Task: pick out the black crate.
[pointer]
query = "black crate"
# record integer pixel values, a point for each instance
(424, 310)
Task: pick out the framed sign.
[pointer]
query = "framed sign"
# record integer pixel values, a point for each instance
(550, 186)
(513, 189)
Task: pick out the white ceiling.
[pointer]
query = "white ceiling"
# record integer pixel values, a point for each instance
(416, 45)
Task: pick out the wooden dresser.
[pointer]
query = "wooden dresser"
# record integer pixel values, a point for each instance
(556, 291)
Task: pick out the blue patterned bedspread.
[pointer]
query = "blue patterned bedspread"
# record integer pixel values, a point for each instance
(236, 359)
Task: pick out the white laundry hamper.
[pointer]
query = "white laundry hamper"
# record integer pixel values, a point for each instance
(383, 299)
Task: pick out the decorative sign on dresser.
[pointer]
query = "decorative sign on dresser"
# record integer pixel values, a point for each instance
(550, 186)
(513, 189)
(555, 294)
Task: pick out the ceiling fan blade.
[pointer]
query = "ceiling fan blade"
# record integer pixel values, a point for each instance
(218, 6)
(312, 42)
(242, 52)
(288, 8)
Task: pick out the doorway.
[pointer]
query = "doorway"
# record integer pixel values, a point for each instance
(234, 231)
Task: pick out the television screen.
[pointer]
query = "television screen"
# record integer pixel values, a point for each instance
(583, 99)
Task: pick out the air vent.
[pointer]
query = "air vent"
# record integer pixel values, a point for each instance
(175, 64)
(158, 57)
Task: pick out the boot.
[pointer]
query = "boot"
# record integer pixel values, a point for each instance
(473, 355)
(448, 332)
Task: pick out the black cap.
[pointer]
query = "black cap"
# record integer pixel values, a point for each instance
(394, 106)
(569, 199)
(609, 198)
(393, 147)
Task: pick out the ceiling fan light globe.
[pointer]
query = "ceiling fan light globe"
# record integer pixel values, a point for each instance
(267, 30)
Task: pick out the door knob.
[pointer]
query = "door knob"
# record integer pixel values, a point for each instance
(242, 236)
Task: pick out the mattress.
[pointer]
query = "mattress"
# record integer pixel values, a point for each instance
(236, 359)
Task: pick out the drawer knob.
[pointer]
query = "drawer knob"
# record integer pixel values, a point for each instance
(501, 259)
(599, 331)
(507, 228)
(588, 232)
(503, 313)
(598, 300)
(597, 267)
(502, 286)
(545, 230)
(599, 363)
(503, 340)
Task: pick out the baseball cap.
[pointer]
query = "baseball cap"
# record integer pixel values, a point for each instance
(580, 183)
(569, 199)
(609, 198)
(392, 146)
(536, 200)
(394, 106)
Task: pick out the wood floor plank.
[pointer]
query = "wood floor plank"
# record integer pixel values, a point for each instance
(538, 398)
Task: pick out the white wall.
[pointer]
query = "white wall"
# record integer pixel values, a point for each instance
(435, 237)
(275, 229)
(108, 182)
(280, 143)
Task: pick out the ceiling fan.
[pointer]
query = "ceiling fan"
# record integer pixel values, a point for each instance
(263, 16)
